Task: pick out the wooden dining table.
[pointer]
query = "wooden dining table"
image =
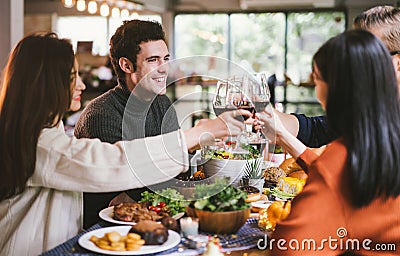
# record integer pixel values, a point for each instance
(244, 242)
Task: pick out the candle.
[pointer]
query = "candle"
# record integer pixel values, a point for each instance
(189, 226)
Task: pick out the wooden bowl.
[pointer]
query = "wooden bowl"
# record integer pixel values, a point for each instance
(222, 222)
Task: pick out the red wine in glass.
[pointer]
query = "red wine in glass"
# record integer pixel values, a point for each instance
(248, 107)
(219, 110)
(259, 106)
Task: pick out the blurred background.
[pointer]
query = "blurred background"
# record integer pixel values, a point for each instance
(276, 37)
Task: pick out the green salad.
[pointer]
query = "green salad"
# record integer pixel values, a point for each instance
(169, 199)
(220, 197)
(222, 154)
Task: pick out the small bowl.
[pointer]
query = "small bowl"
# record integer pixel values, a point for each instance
(258, 205)
(221, 222)
(231, 168)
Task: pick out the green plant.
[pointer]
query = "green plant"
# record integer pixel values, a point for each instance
(220, 197)
(253, 169)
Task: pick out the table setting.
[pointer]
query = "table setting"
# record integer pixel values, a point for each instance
(245, 239)
(242, 228)
(230, 204)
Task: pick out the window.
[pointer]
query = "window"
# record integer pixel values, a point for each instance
(89, 28)
(257, 41)
(205, 34)
(279, 43)
(93, 28)
(306, 33)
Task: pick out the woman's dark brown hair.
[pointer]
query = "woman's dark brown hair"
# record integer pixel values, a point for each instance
(363, 108)
(35, 95)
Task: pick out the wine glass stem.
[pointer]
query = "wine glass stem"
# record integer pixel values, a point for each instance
(248, 127)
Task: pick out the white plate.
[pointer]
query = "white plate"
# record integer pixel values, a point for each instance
(173, 240)
(261, 204)
(107, 215)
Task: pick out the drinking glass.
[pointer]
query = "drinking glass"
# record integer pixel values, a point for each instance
(227, 98)
(260, 99)
(219, 101)
(261, 94)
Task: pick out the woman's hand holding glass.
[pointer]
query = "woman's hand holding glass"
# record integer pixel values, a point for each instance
(225, 125)
(261, 94)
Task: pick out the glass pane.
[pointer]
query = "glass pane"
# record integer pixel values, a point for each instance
(300, 93)
(78, 28)
(306, 109)
(258, 42)
(201, 34)
(306, 33)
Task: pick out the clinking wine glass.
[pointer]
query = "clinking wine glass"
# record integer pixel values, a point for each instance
(239, 95)
(261, 99)
(245, 92)
(229, 96)
(219, 101)
(261, 94)
(225, 100)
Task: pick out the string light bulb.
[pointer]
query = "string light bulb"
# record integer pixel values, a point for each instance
(125, 13)
(81, 5)
(104, 9)
(92, 7)
(134, 16)
(121, 8)
(68, 3)
(115, 12)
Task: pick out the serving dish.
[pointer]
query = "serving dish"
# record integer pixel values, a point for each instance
(84, 241)
(107, 215)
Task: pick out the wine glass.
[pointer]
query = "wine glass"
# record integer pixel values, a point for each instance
(219, 101)
(227, 98)
(261, 94)
(260, 98)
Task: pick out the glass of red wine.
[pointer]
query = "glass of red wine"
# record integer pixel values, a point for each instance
(261, 94)
(219, 101)
(227, 97)
(260, 98)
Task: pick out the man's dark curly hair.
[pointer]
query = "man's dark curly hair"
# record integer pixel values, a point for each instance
(127, 39)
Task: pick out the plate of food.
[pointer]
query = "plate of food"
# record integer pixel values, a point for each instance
(262, 204)
(131, 213)
(119, 241)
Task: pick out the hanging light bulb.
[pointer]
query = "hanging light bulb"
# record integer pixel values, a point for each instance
(81, 5)
(125, 13)
(115, 12)
(92, 7)
(104, 9)
(68, 3)
(134, 16)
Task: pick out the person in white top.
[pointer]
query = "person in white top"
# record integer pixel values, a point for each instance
(44, 172)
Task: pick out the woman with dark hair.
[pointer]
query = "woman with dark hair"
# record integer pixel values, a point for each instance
(44, 172)
(353, 190)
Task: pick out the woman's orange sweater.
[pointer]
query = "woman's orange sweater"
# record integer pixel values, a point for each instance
(324, 222)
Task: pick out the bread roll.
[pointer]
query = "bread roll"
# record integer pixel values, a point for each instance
(290, 165)
(299, 174)
(271, 174)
